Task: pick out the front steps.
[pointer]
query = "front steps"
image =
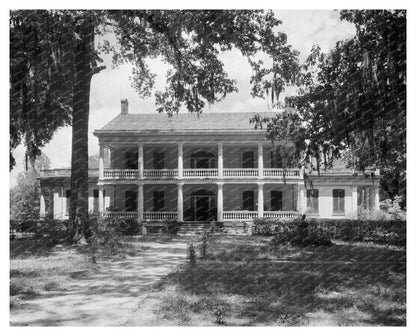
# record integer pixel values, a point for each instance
(195, 228)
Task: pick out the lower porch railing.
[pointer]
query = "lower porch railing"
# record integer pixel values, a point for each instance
(239, 215)
(250, 215)
(280, 214)
(120, 214)
(157, 216)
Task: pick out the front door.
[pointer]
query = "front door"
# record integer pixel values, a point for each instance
(202, 208)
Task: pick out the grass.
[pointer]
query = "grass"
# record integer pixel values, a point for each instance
(254, 283)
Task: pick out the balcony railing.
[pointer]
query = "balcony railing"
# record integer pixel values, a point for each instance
(158, 216)
(280, 214)
(240, 172)
(160, 174)
(120, 214)
(239, 215)
(64, 172)
(280, 172)
(200, 173)
(121, 174)
(170, 174)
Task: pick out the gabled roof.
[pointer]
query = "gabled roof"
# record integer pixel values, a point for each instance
(183, 121)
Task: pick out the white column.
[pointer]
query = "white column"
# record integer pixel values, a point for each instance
(140, 162)
(220, 201)
(56, 204)
(302, 203)
(260, 160)
(42, 209)
(354, 201)
(101, 200)
(140, 202)
(180, 160)
(220, 160)
(101, 163)
(376, 198)
(62, 202)
(260, 200)
(180, 202)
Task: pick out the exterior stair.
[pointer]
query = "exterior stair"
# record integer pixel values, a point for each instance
(194, 228)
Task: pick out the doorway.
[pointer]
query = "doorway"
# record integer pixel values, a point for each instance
(203, 206)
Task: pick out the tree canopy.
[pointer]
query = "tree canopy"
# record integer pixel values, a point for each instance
(353, 99)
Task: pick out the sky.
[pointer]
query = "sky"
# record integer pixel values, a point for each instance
(304, 29)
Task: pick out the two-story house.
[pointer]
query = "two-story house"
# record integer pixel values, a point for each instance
(211, 167)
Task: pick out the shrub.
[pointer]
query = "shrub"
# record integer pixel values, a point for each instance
(393, 208)
(50, 230)
(320, 230)
(204, 244)
(300, 232)
(191, 254)
(129, 227)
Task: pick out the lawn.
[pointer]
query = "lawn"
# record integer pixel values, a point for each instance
(244, 280)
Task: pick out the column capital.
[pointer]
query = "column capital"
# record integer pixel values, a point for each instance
(219, 183)
(260, 184)
(180, 184)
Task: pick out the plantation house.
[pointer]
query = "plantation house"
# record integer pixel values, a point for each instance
(212, 167)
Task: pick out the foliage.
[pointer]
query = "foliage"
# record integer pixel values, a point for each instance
(376, 231)
(191, 254)
(25, 196)
(204, 244)
(353, 99)
(301, 233)
(393, 208)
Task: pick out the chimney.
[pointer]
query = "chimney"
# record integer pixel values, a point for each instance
(124, 106)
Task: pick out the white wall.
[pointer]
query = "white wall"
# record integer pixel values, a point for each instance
(326, 201)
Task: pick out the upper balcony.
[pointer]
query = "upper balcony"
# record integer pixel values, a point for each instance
(192, 161)
(200, 173)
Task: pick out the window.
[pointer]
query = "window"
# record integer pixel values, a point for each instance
(202, 160)
(131, 200)
(132, 159)
(312, 199)
(96, 199)
(159, 160)
(338, 196)
(276, 160)
(248, 200)
(276, 200)
(248, 159)
(158, 200)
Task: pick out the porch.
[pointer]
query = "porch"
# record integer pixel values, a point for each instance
(201, 202)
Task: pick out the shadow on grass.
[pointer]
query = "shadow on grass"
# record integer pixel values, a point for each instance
(257, 284)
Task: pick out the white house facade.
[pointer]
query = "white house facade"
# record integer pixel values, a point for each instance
(211, 167)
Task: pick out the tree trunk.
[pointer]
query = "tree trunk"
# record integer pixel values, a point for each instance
(83, 58)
